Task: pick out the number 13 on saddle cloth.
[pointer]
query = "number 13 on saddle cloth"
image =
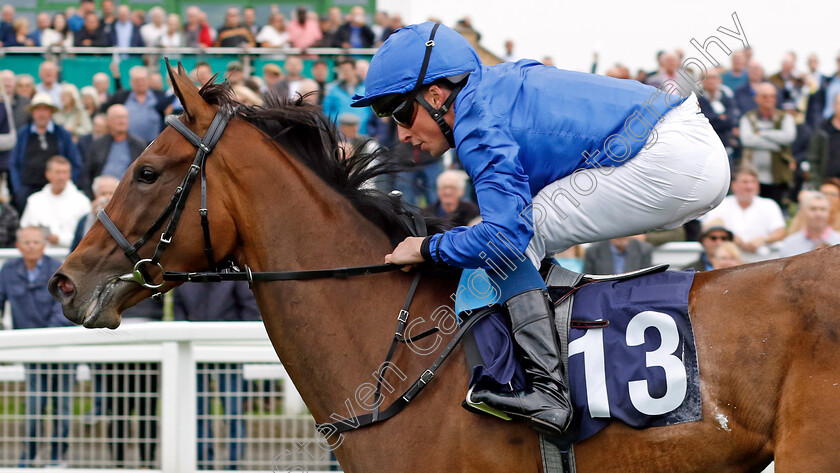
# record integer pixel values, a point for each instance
(641, 369)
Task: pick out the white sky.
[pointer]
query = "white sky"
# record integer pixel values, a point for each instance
(631, 32)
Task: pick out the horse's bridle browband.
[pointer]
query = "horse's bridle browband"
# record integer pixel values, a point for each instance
(176, 207)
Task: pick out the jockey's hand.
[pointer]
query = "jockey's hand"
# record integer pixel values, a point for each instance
(406, 253)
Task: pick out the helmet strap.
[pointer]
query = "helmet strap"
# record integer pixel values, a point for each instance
(438, 113)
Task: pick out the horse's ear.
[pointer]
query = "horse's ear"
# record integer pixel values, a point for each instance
(186, 91)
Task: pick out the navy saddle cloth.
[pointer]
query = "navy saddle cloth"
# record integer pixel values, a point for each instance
(641, 369)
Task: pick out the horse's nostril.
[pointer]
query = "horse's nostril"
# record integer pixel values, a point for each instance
(65, 285)
(61, 287)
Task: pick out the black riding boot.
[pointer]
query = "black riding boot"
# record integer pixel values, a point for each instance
(546, 401)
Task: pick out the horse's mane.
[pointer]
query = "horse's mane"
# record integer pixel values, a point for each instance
(308, 135)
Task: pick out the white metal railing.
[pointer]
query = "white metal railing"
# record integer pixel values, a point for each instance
(176, 354)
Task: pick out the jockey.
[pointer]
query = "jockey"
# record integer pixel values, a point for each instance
(557, 158)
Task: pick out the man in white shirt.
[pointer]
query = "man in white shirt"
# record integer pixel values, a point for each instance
(58, 206)
(755, 221)
(816, 231)
(154, 31)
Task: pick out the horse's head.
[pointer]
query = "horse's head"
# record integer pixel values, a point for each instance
(93, 284)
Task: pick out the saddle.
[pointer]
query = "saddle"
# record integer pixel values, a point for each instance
(562, 285)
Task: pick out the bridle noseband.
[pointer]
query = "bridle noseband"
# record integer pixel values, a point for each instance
(176, 205)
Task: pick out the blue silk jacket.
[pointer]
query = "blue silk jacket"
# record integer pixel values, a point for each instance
(521, 126)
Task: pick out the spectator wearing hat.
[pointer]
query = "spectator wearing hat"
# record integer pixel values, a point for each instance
(58, 206)
(451, 186)
(754, 221)
(816, 231)
(340, 95)
(713, 234)
(37, 142)
(271, 74)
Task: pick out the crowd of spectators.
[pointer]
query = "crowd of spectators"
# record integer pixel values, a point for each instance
(64, 148)
(120, 26)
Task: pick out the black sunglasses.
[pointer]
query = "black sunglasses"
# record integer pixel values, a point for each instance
(719, 238)
(402, 107)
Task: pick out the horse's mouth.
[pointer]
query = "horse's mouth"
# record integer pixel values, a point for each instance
(102, 308)
(98, 308)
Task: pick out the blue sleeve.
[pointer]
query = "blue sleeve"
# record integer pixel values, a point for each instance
(490, 156)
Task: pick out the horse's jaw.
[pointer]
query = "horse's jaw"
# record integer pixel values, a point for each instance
(98, 308)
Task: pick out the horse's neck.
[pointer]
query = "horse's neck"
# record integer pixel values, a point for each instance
(330, 334)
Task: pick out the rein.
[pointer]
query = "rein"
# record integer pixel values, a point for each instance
(175, 207)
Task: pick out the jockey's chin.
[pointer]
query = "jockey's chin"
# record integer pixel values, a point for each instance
(435, 147)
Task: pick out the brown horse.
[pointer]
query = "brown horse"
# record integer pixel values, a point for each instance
(279, 198)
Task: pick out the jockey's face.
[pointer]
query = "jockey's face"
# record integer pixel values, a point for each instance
(424, 132)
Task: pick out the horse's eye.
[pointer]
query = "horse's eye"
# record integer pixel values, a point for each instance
(147, 175)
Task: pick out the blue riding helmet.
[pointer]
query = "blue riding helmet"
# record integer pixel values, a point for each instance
(396, 66)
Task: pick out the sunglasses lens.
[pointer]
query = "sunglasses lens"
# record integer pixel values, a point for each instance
(385, 106)
(404, 113)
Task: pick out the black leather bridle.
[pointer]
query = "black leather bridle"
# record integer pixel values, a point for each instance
(204, 146)
(176, 205)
